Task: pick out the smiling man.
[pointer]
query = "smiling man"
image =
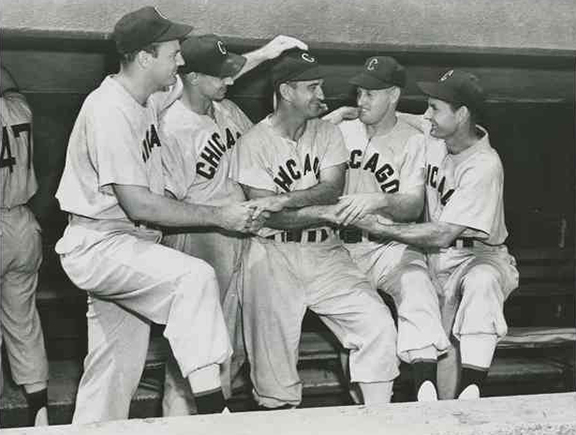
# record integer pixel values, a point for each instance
(464, 232)
(386, 177)
(199, 132)
(290, 163)
(113, 189)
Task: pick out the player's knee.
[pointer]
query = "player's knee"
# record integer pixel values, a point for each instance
(480, 281)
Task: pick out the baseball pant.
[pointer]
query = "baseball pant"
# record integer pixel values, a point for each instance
(402, 272)
(20, 329)
(132, 281)
(223, 251)
(281, 281)
(474, 284)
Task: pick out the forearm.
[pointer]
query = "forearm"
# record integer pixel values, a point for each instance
(146, 206)
(425, 235)
(400, 207)
(296, 219)
(320, 194)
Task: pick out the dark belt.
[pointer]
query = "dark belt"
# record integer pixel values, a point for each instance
(299, 236)
(148, 226)
(354, 235)
(465, 242)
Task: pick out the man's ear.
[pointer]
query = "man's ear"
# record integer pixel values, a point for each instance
(144, 58)
(462, 114)
(285, 91)
(395, 94)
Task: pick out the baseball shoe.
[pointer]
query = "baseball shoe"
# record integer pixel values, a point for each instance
(427, 392)
(471, 392)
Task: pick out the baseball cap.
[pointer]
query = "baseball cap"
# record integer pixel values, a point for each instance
(137, 29)
(456, 86)
(380, 72)
(296, 65)
(208, 54)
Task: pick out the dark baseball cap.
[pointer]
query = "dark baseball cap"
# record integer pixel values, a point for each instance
(380, 72)
(142, 27)
(296, 65)
(456, 86)
(208, 55)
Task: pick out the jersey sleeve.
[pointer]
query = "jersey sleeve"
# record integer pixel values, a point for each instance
(114, 150)
(17, 99)
(474, 202)
(249, 164)
(335, 150)
(412, 168)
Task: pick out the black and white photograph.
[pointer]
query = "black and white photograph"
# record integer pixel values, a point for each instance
(245, 217)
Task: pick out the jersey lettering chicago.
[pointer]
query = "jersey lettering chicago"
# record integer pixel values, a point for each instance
(265, 160)
(466, 189)
(196, 153)
(17, 178)
(388, 163)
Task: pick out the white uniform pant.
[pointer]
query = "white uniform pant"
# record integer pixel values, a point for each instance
(474, 284)
(20, 328)
(281, 281)
(402, 272)
(132, 281)
(223, 251)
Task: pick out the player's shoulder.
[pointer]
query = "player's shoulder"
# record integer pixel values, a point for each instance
(351, 127)
(14, 104)
(257, 134)
(323, 128)
(227, 105)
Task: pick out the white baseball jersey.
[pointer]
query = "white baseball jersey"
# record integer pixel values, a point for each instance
(466, 189)
(265, 160)
(17, 178)
(389, 163)
(196, 152)
(115, 140)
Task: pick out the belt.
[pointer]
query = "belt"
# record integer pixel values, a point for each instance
(301, 236)
(466, 242)
(354, 235)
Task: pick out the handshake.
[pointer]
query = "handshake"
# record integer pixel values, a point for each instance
(250, 216)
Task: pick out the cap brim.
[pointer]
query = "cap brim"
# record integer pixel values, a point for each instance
(367, 81)
(175, 31)
(232, 65)
(438, 90)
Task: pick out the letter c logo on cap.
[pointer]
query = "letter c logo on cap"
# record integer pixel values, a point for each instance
(447, 75)
(221, 47)
(372, 65)
(160, 13)
(308, 58)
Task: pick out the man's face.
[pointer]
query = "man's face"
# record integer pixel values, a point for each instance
(443, 119)
(308, 97)
(375, 104)
(164, 66)
(214, 88)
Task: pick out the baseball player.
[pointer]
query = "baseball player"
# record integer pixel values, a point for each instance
(292, 162)
(113, 189)
(198, 133)
(21, 253)
(464, 232)
(386, 177)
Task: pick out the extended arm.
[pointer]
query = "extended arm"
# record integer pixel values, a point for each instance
(425, 235)
(400, 207)
(301, 208)
(142, 205)
(270, 51)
